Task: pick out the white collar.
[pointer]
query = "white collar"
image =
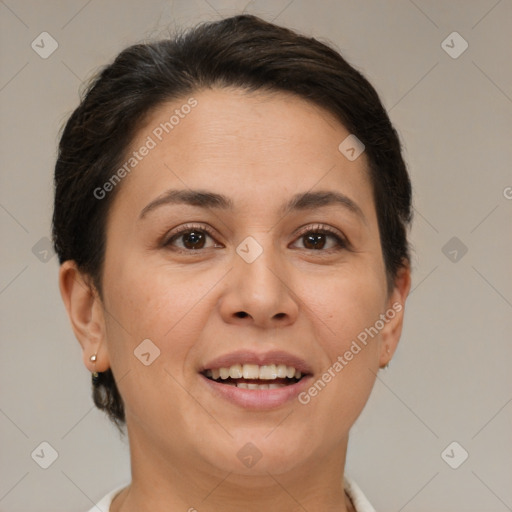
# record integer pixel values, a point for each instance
(359, 500)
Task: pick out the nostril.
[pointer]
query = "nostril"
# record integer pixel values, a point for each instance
(241, 314)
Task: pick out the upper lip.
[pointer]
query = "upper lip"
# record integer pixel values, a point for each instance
(261, 359)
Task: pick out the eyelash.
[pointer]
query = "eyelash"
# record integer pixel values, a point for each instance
(342, 243)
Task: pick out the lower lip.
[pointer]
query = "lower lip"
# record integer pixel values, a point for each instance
(257, 398)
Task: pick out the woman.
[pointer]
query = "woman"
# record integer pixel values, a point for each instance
(230, 217)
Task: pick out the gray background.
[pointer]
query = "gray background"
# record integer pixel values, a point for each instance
(450, 379)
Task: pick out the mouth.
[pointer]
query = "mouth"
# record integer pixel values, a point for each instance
(255, 377)
(256, 381)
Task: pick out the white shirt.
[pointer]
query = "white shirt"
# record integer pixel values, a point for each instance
(359, 500)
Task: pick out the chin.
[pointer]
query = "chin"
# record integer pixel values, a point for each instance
(260, 451)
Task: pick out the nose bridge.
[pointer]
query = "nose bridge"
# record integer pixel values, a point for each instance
(260, 289)
(259, 265)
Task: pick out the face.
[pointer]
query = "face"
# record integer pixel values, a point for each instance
(284, 269)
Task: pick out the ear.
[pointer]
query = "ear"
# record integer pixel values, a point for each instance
(85, 311)
(390, 334)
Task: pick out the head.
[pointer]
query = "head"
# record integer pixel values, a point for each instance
(179, 151)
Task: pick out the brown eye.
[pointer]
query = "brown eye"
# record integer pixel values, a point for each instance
(193, 240)
(322, 239)
(314, 241)
(189, 239)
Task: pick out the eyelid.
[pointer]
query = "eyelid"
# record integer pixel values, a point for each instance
(343, 241)
(319, 228)
(185, 228)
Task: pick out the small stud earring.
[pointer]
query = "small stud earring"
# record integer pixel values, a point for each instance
(93, 359)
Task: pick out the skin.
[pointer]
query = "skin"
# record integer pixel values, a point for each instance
(259, 149)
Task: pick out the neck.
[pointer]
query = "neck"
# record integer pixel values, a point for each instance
(183, 483)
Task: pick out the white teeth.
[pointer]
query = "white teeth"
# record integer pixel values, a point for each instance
(268, 372)
(235, 371)
(281, 371)
(245, 385)
(253, 371)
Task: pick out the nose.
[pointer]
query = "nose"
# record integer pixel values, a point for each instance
(259, 293)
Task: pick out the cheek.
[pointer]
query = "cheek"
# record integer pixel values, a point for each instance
(158, 303)
(345, 311)
(348, 300)
(165, 307)
(350, 333)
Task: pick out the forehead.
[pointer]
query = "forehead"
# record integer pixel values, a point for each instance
(237, 123)
(244, 145)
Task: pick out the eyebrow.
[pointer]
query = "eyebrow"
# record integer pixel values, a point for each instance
(207, 200)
